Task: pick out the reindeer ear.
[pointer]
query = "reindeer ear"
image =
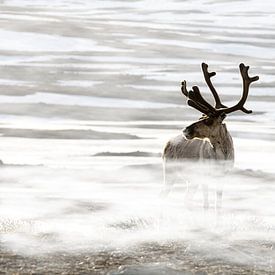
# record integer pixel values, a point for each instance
(203, 116)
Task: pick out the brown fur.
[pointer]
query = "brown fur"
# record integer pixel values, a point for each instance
(204, 142)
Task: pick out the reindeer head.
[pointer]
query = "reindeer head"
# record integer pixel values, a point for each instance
(210, 123)
(205, 127)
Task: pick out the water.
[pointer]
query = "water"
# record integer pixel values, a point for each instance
(80, 78)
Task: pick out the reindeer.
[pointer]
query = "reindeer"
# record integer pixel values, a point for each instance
(206, 140)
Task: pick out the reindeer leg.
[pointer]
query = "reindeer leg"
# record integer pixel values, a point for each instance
(218, 203)
(169, 177)
(205, 196)
(190, 192)
(218, 206)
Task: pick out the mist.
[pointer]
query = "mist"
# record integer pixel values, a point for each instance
(69, 198)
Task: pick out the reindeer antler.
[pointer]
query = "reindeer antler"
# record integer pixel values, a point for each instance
(196, 100)
(246, 83)
(207, 77)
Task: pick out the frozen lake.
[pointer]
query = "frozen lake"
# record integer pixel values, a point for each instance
(89, 95)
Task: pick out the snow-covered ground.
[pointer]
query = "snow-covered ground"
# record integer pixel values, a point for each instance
(90, 93)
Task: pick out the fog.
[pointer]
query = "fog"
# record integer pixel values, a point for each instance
(62, 197)
(56, 209)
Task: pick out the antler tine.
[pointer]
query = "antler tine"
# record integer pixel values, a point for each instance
(196, 96)
(247, 80)
(184, 89)
(197, 106)
(195, 99)
(207, 76)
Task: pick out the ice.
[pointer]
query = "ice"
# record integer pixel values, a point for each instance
(92, 101)
(37, 42)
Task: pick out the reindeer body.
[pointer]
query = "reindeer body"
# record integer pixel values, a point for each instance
(180, 148)
(189, 160)
(218, 147)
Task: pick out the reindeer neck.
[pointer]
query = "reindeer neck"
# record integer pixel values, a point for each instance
(222, 144)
